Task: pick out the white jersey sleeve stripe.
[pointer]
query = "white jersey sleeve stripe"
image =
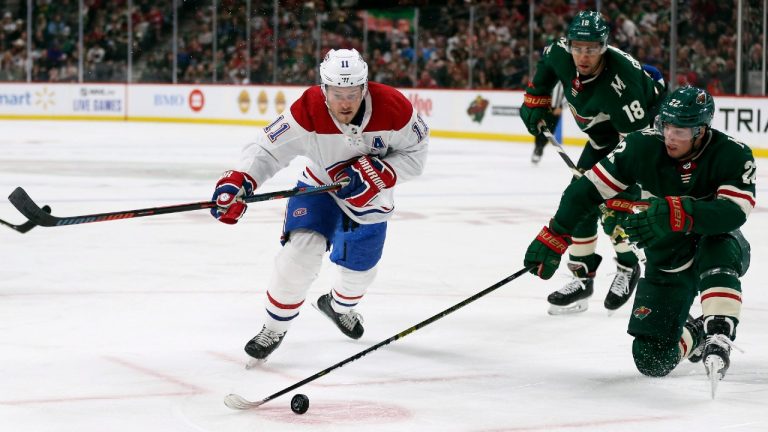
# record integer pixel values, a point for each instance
(745, 200)
(605, 183)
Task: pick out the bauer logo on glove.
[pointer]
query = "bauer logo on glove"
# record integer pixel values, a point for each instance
(367, 176)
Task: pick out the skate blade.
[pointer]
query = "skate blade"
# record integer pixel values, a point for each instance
(254, 363)
(317, 308)
(714, 379)
(573, 308)
(714, 364)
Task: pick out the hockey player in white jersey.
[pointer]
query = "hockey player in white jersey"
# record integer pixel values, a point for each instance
(348, 128)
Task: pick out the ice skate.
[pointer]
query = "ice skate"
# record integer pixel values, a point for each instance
(262, 345)
(350, 323)
(573, 297)
(538, 151)
(696, 327)
(717, 348)
(622, 287)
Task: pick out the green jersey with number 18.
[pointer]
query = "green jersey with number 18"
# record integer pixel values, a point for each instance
(620, 99)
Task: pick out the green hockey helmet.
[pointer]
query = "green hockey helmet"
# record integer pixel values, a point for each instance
(588, 26)
(687, 107)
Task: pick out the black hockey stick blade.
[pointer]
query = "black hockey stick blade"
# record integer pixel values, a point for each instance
(237, 402)
(26, 226)
(27, 206)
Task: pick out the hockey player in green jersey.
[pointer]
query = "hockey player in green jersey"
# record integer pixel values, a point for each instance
(698, 188)
(609, 95)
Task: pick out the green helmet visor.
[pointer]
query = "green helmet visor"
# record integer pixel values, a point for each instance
(678, 133)
(586, 50)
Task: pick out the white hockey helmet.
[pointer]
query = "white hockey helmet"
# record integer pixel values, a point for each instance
(344, 68)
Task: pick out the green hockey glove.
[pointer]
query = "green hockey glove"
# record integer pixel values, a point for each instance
(537, 111)
(663, 217)
(613, 213)
(546, 249)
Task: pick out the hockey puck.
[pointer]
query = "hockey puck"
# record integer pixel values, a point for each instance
(299, 404)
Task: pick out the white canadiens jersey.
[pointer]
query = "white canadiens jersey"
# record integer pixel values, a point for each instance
(391, 130)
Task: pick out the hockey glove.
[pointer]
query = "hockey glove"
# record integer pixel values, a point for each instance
(231, 188)
(613, 213)
(367, 176)
(537, 112)
(546, 250)
(663, 217)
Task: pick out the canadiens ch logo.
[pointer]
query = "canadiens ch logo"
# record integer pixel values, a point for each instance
(477, 109)
(299, 212)
(641, 312)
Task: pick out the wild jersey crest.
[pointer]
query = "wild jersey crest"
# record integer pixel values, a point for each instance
(586, 122)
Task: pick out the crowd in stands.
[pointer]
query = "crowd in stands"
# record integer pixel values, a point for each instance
(55, 51)
(492, 52)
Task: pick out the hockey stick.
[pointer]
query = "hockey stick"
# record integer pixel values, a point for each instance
(22, 201)
(639, 253)
(561, 151)
(26, 226)
(238, 402)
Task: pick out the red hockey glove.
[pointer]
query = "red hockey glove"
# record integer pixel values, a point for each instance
(367, 176)
(663, 217)
(231, 188)
(546, 249)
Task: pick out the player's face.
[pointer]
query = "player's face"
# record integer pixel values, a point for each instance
(586, 56)
(343, 102)
(678, 140)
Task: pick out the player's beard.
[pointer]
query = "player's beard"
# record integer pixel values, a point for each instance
(595, 70)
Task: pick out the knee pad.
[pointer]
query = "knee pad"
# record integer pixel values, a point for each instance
(296, 266)
(655, 357)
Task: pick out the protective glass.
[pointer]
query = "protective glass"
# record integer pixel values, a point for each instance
(585, 50)
(676, 132)
(347, 94)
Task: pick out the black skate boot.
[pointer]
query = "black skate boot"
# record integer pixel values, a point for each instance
(350, 323)
(622, 287)
(721, 331)
(572, 298)
(696, 327)
(538, 149)
(264, 343)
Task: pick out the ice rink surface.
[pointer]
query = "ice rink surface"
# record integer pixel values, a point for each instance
(139, 325)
